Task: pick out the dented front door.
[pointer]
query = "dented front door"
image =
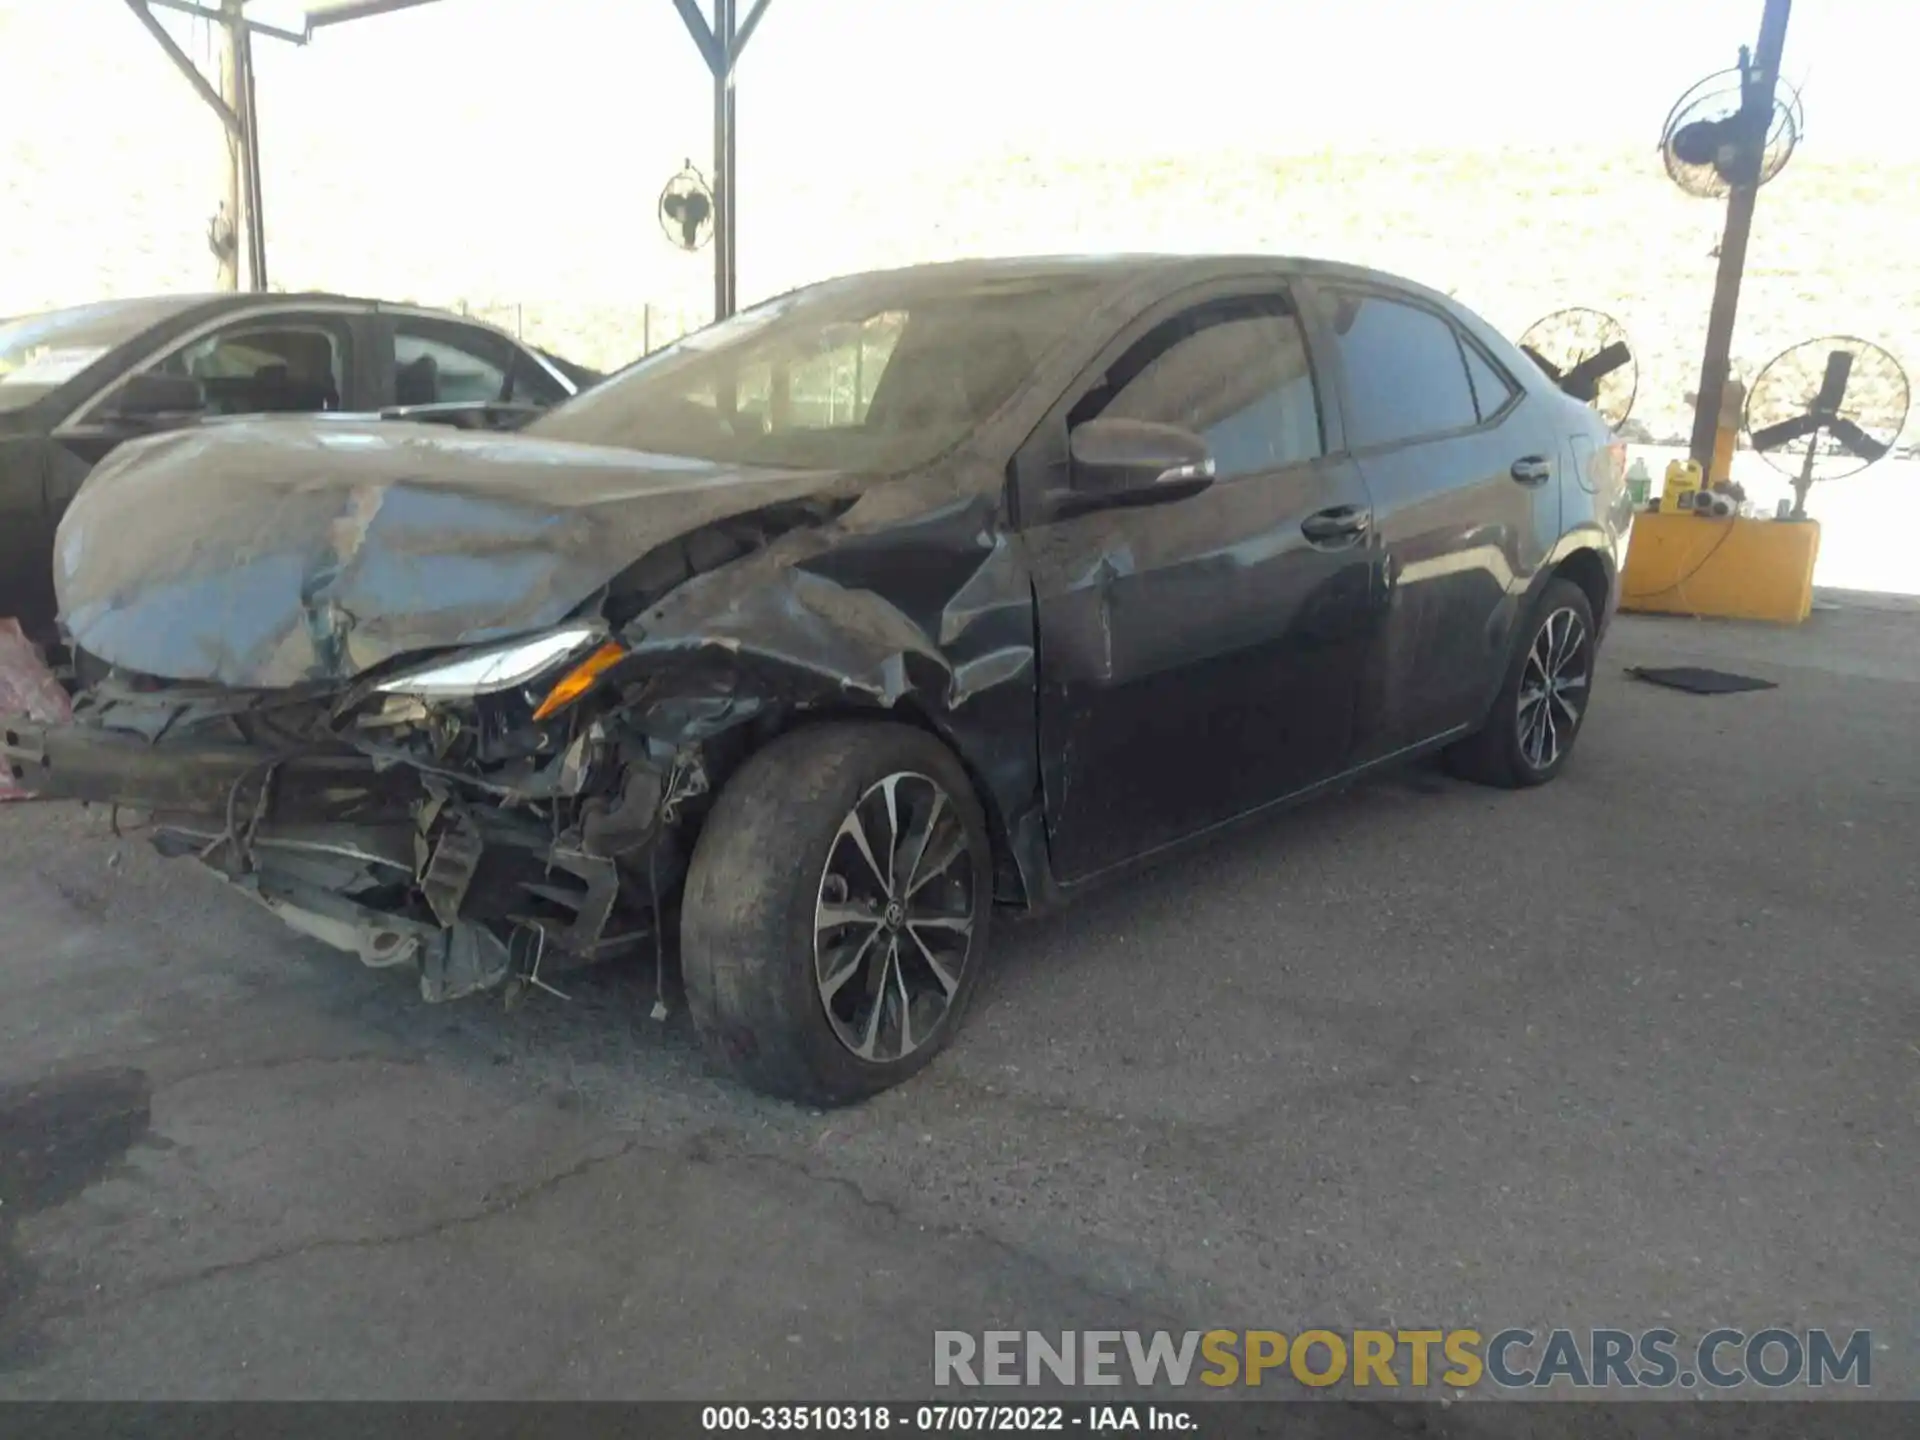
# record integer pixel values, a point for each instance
(1201, 658)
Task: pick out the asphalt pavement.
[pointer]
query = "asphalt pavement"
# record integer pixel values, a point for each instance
(1638, 1049)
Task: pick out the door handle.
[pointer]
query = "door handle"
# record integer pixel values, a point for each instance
(1532, 469)
(1342, 525)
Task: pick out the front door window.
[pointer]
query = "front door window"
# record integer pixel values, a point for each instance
(256, 368)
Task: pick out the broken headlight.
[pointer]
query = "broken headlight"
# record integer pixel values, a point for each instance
(502, 667)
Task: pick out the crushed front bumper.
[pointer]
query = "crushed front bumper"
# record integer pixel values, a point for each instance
(387, 862)
(76, 761)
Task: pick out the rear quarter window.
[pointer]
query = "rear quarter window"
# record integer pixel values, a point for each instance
(1406, 378)
(1492, 390)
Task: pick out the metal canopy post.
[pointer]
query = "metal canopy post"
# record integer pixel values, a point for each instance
(1762, 79)
(184, 63)
(242, 118)
(237, 119)
(720, 45)
(250, 155)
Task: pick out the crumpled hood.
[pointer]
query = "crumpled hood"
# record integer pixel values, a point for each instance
(277, 552)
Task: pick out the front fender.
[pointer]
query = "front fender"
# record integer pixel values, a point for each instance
(935, 624)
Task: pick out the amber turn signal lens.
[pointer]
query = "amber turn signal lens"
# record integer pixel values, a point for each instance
(577, 681)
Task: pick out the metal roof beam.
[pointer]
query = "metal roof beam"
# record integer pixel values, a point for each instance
(746, 30)
(242, 124)
(357, 10)
(184, 64)
(207, 12)
(719, 53)
(703, 36)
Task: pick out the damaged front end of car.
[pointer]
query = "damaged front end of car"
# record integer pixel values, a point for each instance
(454, 817)
(497, 815)
(469, 718)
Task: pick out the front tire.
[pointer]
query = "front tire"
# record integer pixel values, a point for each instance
(1543, 701)
(836, 911)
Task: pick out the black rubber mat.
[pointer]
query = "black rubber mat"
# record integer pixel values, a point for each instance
(1696, 681)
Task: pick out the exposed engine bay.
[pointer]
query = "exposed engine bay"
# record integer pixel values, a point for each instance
(487, 839)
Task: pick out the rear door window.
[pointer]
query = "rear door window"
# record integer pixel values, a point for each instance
(1406, 378)
(531, 383)
(1492, 391)
(441, 363)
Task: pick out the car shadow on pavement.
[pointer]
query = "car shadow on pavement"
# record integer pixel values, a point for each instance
(598, 1041)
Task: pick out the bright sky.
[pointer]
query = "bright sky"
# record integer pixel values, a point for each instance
(417, 124)
(881, 78)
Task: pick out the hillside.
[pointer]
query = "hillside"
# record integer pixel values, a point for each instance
(112, 198)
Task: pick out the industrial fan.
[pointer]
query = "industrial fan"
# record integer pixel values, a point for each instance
(686, 209)
(1826, 408)
(1700, 141)
(1585, 353)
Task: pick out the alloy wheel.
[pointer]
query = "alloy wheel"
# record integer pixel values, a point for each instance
(1553, 688)
(893, 920)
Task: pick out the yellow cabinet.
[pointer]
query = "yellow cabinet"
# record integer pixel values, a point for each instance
(1731, 569)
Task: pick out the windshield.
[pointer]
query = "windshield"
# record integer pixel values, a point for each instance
(40, 353)
(877, 374)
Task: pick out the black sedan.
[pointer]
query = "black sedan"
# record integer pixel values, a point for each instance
(804, 643)
(76, 383)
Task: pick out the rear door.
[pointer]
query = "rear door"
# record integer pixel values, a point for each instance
(1462, 469)
(437, 360)
(1199, 658)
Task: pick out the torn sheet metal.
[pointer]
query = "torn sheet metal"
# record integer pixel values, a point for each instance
(932, 617)
(27, 687)
(272, 554)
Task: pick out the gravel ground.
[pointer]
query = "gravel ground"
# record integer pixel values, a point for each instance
(1638, 1049)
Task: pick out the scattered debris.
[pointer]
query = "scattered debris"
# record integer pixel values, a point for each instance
(27, 687)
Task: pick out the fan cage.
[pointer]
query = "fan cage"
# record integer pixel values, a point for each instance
(1717, 98)
(1567, 336)
(1831, 459)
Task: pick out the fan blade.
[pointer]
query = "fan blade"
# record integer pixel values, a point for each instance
(1699, 143)
(1863, 445)
(1786, 432)
(1552, 371)
(1833, 389)
(1583, 381)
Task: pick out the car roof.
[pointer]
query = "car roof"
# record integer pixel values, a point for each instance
(144, 310)
(150, 310)
(1124, 265)
(244, 299)
(1127, 270)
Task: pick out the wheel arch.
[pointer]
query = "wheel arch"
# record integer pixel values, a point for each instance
(1588, 568)
(1579, 559)
(1012, 882)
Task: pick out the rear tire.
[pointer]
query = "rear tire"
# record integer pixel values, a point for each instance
(1530, 732)
(812, 974)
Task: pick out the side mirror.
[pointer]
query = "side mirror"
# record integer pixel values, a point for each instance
(152, 396)
(1133, 462)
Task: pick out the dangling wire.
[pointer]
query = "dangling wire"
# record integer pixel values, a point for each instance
(659, 934)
